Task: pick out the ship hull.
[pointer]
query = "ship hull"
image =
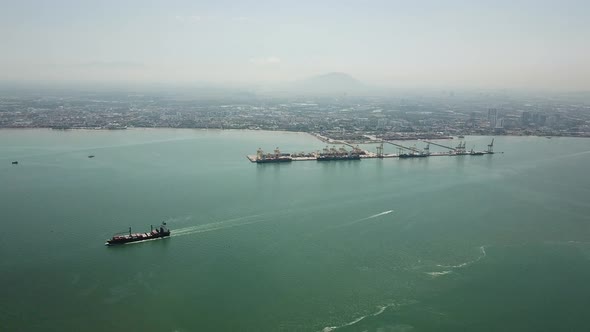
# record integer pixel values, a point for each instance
(136, 238)
(333, 158)
(279, 160)
(403, 156)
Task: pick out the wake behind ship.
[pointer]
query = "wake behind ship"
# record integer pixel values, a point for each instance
(156, 233)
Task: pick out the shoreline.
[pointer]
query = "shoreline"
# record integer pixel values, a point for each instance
(315, 135)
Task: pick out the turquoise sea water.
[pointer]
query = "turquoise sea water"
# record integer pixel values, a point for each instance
(489, 243)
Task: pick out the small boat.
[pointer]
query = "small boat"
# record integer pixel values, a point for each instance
(91, 156)
(155, 233)
(15, 162)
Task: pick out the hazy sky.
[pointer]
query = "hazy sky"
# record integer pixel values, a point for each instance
(537, 44)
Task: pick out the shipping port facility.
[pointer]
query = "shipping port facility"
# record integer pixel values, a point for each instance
(356, 153)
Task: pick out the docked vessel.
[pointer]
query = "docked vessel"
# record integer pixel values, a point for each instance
(277, 157)
(329, 154)
(413, 155)
(154, 233)
(280, 159)
(338, 157)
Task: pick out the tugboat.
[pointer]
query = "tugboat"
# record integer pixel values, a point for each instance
(156, 233)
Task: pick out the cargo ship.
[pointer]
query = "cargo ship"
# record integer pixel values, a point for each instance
(413, 155)
(156, 233)
(338, 157)
(280, 159)
(277, 157)
(332, 153)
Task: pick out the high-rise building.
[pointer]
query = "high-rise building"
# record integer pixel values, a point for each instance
(492, 117)
(525, 118)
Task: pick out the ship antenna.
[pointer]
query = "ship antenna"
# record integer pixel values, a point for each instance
(129, 231)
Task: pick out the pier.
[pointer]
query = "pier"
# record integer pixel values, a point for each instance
(341, 154)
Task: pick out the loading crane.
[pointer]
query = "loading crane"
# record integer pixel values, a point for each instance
(380, 150)
(403, 147)
(427, 149)
(442, 146)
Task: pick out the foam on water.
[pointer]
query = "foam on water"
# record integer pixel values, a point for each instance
(438, 274)
(482, 250)
(356, 320)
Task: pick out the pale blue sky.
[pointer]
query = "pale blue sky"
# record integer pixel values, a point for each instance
(500, 44)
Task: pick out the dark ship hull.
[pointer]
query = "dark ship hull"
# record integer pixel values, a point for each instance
(274, 160)
(162, 232)
(405, 155)
(331, 158)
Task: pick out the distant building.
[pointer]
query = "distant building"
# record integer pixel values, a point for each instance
(381, 123)
(492, 117)
(541, 119)
(525, 118)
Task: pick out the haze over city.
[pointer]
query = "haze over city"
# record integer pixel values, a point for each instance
(397, 44)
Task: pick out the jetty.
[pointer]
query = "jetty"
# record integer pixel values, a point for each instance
(356, 153)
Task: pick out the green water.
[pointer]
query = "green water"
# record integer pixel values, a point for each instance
(489, 243)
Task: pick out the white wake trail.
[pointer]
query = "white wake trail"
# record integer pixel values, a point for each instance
(482, 255)
(379, 214)
(213, 227)
(356, 320)
(369, 217)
